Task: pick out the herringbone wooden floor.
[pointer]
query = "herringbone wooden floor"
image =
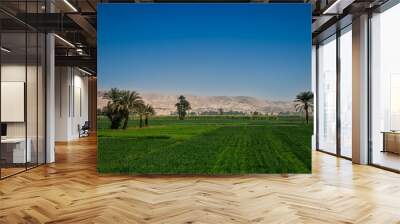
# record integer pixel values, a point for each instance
(71, 191)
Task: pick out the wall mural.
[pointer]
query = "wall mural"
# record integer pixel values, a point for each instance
(204, 88)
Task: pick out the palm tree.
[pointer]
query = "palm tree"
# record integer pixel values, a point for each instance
(113, 112)
(113, 94)
(114, 108)
(148, 111)
(131, 100)
(182, 107)
(122, 103)
(141, 110)
(304, 102)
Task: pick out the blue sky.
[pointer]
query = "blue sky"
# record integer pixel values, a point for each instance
(261, 50)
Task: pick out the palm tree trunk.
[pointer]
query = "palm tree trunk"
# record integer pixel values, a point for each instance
(146, 121)
(126, 122)
(307, 115)
(141, 121)
(114, 124)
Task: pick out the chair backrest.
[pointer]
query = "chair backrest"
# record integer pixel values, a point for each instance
(3, 129)
(86, 125)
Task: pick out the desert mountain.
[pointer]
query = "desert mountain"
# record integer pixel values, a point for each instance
(165, 104)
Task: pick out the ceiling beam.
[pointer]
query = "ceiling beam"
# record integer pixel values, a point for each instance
(86, 27)
(77, 61)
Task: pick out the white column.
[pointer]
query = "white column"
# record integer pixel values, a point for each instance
(63, 99)
(314, 90)
(360, 90)
(50, 100)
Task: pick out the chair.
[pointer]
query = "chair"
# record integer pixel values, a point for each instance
(84, 130)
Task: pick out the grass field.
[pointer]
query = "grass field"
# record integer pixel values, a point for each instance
(206, 145)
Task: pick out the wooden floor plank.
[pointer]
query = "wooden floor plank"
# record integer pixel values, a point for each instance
(71, 191)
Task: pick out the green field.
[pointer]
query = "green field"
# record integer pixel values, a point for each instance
(206, 145)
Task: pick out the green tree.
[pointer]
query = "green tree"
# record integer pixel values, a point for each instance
(148, 111)
(113, 94)
(121, 104)
(131, 101)
(304, 103)
(114, 109)
(182, 107)
(141, 110)
(113, 112)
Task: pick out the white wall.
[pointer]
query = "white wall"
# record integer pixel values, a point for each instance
(17, 73)
(62, 83)
(13, 101)
(12, 73)
(33, 127)
(80, 110)
(71, 87)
